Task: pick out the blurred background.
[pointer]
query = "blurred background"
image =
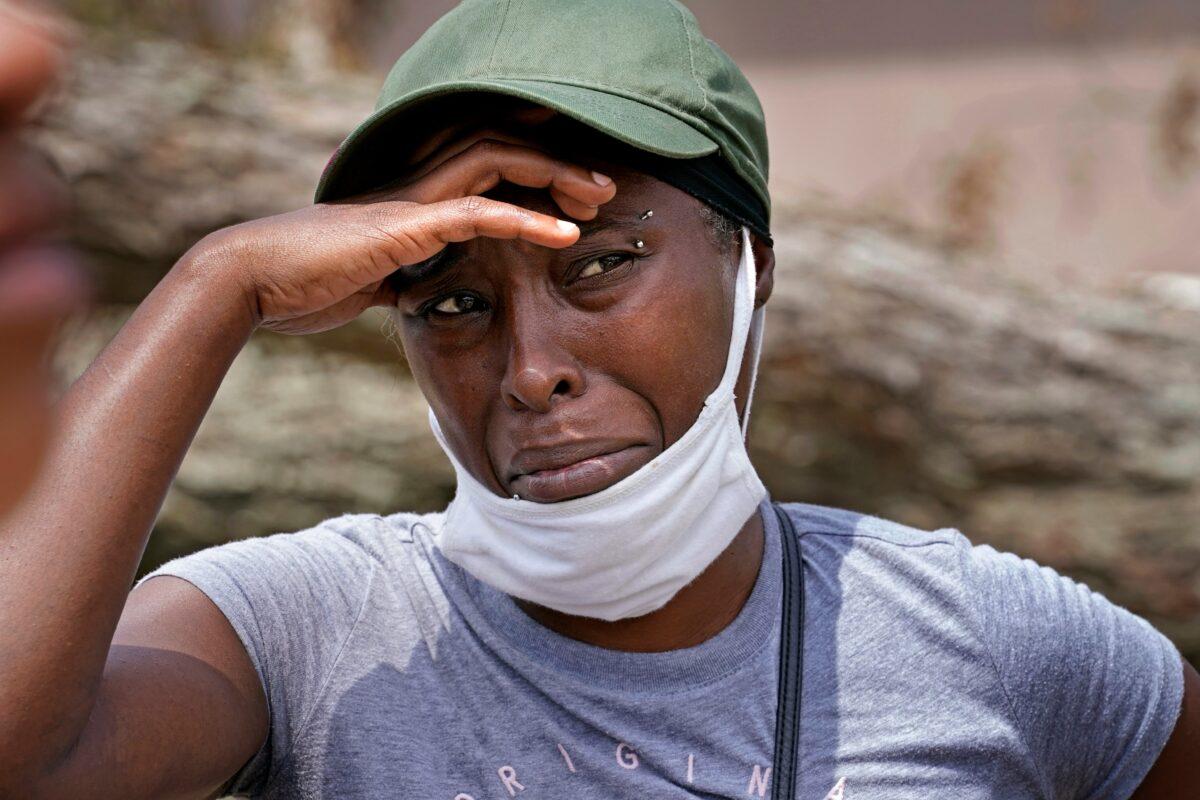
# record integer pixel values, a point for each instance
(987, 313)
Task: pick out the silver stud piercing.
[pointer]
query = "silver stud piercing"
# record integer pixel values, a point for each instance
(638, 243)
(649, 213)
(516, 497)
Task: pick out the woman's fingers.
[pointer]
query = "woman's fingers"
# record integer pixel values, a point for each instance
(485, 164)
(414, 232)
(573, 207)
(398, 228)
(316, 265)
(469, 217)
(457, 140)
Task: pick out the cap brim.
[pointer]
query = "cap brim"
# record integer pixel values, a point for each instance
(630, 121)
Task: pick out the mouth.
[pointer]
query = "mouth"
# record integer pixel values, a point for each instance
(552, 475)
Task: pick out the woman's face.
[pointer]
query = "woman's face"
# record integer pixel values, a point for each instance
(556, 373)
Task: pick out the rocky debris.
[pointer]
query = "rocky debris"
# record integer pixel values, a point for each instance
(1060, 424)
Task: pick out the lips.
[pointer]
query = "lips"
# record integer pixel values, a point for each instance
(551, 474)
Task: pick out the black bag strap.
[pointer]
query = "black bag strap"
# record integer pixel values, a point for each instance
(791, 663)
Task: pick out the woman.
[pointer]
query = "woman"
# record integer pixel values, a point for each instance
(597, 614)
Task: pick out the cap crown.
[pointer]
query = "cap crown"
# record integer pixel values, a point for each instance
(649, 51)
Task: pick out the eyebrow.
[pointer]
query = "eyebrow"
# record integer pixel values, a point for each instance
(449, 256)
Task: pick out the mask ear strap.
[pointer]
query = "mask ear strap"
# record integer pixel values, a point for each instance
(757, 323)
(754, 336)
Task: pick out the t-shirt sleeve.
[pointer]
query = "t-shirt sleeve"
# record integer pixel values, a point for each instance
(1094, 690)
(293, 600)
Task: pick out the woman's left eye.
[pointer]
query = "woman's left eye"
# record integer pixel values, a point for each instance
(603, 264)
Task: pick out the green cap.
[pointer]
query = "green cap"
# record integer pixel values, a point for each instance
(637, 70)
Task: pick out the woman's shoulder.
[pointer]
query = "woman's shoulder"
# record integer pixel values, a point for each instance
(873, 542)
(355, 539)
(376, 537)
(842, 539)
(1005, 643)
(325, 570)
(812, 520)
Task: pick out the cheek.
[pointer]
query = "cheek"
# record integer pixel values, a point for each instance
(671, 346)
(459, 384)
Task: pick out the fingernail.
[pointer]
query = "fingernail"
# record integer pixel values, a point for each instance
(567, 227)
(603, 180)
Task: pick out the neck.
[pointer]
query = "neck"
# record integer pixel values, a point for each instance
(700, 610)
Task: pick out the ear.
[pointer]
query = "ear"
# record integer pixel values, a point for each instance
(764, 263)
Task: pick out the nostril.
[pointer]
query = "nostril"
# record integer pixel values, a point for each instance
(562, 387)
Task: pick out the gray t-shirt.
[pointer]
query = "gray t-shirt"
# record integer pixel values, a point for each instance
(932, 669)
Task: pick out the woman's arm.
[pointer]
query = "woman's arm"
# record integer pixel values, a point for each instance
(174, 708)
(71, 550)
(1176, 773)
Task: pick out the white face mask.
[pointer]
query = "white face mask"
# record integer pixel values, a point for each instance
(626, 550)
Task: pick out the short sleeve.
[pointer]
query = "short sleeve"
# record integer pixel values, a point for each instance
(1094, 690)
(293, 600)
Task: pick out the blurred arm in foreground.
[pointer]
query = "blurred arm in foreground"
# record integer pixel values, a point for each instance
(38, 285)
(70, 540)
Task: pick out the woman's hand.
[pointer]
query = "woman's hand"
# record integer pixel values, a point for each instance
(319, 267)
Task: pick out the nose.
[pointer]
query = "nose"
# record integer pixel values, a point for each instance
(540, 370)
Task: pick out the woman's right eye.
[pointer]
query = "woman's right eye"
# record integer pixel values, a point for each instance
(456, 304)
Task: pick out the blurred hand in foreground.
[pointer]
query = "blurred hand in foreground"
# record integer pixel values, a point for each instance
(38, 284)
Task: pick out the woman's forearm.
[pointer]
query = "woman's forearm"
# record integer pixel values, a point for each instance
(69, 553)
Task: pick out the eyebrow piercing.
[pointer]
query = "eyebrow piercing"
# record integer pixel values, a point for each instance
(648, 214)
(638, 243)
